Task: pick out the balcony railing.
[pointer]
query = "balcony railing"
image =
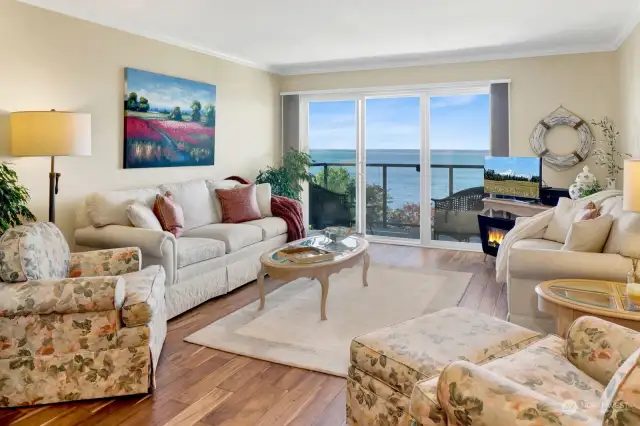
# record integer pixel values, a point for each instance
(385, 184)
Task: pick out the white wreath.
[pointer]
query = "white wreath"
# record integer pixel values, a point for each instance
(562, 116)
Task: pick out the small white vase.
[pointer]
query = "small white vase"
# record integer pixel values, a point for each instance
(611, 183)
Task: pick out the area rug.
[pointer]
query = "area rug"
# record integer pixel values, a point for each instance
(289, 330)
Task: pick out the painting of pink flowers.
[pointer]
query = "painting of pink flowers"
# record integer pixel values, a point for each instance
(168, 121)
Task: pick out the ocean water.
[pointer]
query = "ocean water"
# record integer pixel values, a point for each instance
(403, 184)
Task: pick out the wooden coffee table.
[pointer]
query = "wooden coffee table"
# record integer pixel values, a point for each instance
(352, 251)
(570, 299)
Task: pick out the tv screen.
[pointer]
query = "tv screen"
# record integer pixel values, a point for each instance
(517, 177)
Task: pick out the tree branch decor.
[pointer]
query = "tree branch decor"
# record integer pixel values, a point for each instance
(13, 200)
(609, 157)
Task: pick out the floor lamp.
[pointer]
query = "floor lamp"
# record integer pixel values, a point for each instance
(52, 134)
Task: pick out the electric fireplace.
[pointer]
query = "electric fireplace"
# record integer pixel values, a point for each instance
(492, 231)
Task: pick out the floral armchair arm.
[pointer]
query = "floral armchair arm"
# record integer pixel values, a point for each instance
(144, 295)
(66, 296)
(101, 263)
(620, 404)
(599, 347)
(472, 395)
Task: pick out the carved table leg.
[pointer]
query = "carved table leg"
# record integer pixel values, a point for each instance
(365, 269)
(261, 275)
(324, 282)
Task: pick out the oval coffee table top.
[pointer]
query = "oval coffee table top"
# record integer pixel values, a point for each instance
(346, 249)
(590, 296)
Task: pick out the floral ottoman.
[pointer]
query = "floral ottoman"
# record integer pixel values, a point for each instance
(387, 364)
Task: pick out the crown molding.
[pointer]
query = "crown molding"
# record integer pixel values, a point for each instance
(401, 61)
(380, 62)
(628, 28)
(163, 39)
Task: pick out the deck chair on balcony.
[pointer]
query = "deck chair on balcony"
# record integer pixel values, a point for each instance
(328, 208)
(456, 215)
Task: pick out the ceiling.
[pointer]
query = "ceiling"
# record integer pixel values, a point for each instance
(301, 36)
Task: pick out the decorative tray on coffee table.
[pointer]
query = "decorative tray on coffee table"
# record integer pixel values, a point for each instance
(305, 254)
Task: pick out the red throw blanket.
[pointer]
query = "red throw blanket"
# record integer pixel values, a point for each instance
(286, 209)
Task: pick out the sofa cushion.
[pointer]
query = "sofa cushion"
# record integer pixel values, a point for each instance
(235, 236)
(263, 193)
(197, 205)
(624, 237)
(110, 207)
(37, 251)
(564, 214)
(194, 250)
(403, 354)
(271, 226)
(537, 244)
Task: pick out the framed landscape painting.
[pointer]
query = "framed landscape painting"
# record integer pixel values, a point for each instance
(168, 121)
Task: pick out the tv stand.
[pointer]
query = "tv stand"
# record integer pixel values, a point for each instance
(514, 207)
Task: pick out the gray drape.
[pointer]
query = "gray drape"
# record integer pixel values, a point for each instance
(290, 122)
(500, 120)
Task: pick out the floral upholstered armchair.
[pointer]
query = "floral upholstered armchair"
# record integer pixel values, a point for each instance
(592, 378)
(75, 326)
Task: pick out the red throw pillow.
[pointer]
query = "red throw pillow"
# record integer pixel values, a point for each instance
(239, 204)
(169, 213)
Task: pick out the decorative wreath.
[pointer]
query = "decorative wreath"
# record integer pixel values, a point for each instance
(562, 116)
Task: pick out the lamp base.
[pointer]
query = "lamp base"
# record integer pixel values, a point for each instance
(53, 190)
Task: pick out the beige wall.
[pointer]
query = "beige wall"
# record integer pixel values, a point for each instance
(629, 81)
(49, 61)
(586, 84)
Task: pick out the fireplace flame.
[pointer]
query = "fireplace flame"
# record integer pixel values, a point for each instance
(495, 237)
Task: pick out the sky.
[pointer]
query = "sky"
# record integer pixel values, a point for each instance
(167, 92)
(457, 123)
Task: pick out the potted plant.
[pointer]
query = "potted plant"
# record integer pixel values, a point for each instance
(13, 200)
(609, 156)
(286, 180)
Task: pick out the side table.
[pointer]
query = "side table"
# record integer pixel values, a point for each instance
(569, 299)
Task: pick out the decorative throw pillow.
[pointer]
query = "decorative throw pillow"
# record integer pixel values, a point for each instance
(169, 214)
(588, 235)
(142, 216)
(239, 204)
(219, 184)
(588, 212)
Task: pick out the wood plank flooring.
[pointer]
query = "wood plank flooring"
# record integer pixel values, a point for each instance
(205, 387)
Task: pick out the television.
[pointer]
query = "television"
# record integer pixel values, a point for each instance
(513, 177)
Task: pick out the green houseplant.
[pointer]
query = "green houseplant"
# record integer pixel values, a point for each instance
(286, 180)
(13, 200)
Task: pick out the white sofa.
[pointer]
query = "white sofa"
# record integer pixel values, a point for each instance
(210, 259)
(533, 260)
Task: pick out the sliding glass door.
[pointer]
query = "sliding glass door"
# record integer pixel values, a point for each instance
(459, 126)
(332, 142)
(398, 166)
(392, 160)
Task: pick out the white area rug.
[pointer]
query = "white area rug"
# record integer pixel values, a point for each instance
(289, 331)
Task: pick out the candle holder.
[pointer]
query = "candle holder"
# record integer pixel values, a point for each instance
(633, 286)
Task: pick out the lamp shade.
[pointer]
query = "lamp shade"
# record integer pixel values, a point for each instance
(50, 133)
(631, 192)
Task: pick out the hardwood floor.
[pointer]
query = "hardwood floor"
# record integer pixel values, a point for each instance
(205, 387)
